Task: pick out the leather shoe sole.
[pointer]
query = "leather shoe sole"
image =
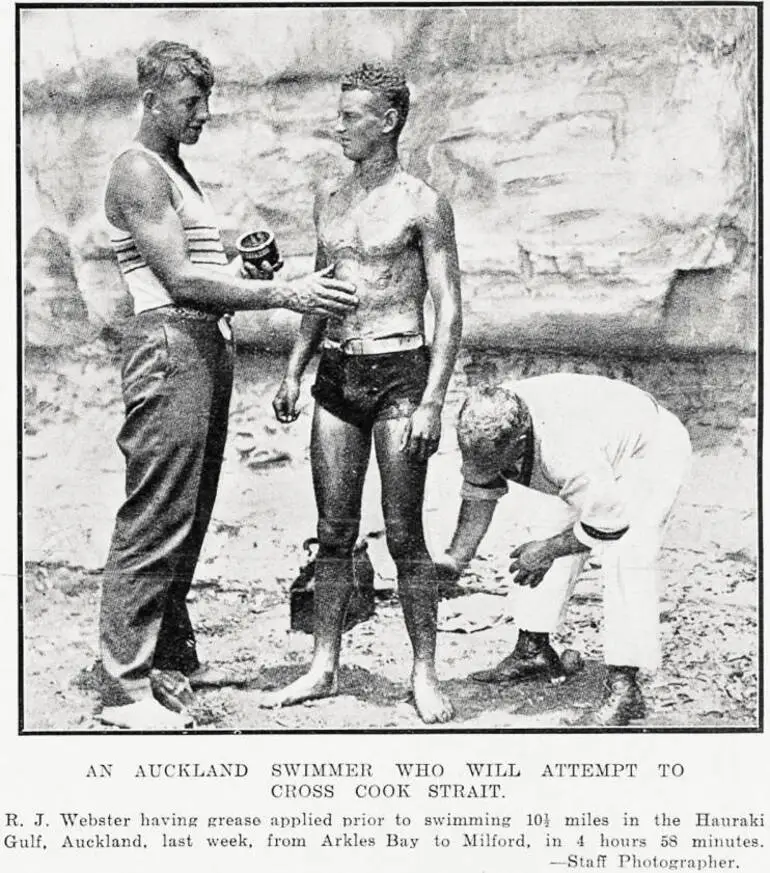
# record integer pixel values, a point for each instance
(207, 676)
(520, 668)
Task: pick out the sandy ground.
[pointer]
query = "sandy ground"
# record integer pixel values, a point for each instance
(73, 479)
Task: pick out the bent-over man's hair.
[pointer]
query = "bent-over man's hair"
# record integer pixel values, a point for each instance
(490, 417)
(165, 62)
(385, 79)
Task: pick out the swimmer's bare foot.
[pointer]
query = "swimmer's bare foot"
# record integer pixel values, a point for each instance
(311, 686)
(432, 706)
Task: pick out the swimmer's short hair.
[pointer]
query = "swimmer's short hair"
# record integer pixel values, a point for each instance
(385, 79)
(490, 417)
(166, 62)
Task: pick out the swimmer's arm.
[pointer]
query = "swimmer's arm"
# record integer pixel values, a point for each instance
(286, 397)
(439, 250)
(139, 192)
(311, 329)
(310, 332)
(442, 269)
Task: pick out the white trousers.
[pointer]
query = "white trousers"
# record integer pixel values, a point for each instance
(650, 481)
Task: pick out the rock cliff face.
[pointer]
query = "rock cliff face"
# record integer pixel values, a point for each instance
(601, 162)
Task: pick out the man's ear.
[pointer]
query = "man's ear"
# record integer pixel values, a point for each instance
(521, 440)
(390, 120)
(150, 101)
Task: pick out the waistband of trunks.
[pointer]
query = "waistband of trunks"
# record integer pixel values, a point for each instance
(382, 345)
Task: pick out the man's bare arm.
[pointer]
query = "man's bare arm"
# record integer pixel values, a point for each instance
(437, 237)
(472, 524)
(531, 561)
(442, 269)
(140, 193)
(312, 326)
(310, 332)
(287, 395)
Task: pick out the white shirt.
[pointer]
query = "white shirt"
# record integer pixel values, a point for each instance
(585, 429)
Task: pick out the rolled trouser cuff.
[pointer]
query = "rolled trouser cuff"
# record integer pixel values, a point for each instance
(116, 691)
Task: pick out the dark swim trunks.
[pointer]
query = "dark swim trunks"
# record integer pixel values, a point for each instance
(364, 389)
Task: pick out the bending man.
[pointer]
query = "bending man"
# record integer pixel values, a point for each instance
(615, 459)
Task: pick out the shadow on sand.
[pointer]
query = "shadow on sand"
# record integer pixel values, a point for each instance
(531, 705)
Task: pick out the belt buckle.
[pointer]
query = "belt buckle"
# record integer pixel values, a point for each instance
(225, 327)
(352, 346)
(183, 311)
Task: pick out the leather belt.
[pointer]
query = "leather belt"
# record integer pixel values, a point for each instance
(376, 345)
(188, 312)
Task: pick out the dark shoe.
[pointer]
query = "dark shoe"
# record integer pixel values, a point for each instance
(531, 659)
(171, 689)
(208, 676)
(623, 701)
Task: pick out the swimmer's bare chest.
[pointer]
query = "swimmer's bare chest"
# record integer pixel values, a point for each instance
(373, 239)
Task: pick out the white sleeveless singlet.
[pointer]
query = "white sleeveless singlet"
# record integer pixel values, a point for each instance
(201, 230)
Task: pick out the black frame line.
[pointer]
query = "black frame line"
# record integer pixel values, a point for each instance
(449, 732)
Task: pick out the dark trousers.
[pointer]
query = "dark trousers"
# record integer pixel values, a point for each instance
(177, 377)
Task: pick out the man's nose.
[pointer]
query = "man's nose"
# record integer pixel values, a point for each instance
(339, 126)
(203, 114)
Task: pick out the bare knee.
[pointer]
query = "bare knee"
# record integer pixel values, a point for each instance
(405, 544)
(336, 537)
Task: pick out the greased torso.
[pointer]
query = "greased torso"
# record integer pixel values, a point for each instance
(373, 239)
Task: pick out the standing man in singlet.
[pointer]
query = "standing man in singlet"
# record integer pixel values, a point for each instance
(392, 236)
(176, 378)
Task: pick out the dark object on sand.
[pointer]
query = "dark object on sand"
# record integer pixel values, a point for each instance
(361, 606)
(572, 661)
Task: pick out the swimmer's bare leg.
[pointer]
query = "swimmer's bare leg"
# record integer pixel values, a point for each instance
(403, 485)
(339, 455)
